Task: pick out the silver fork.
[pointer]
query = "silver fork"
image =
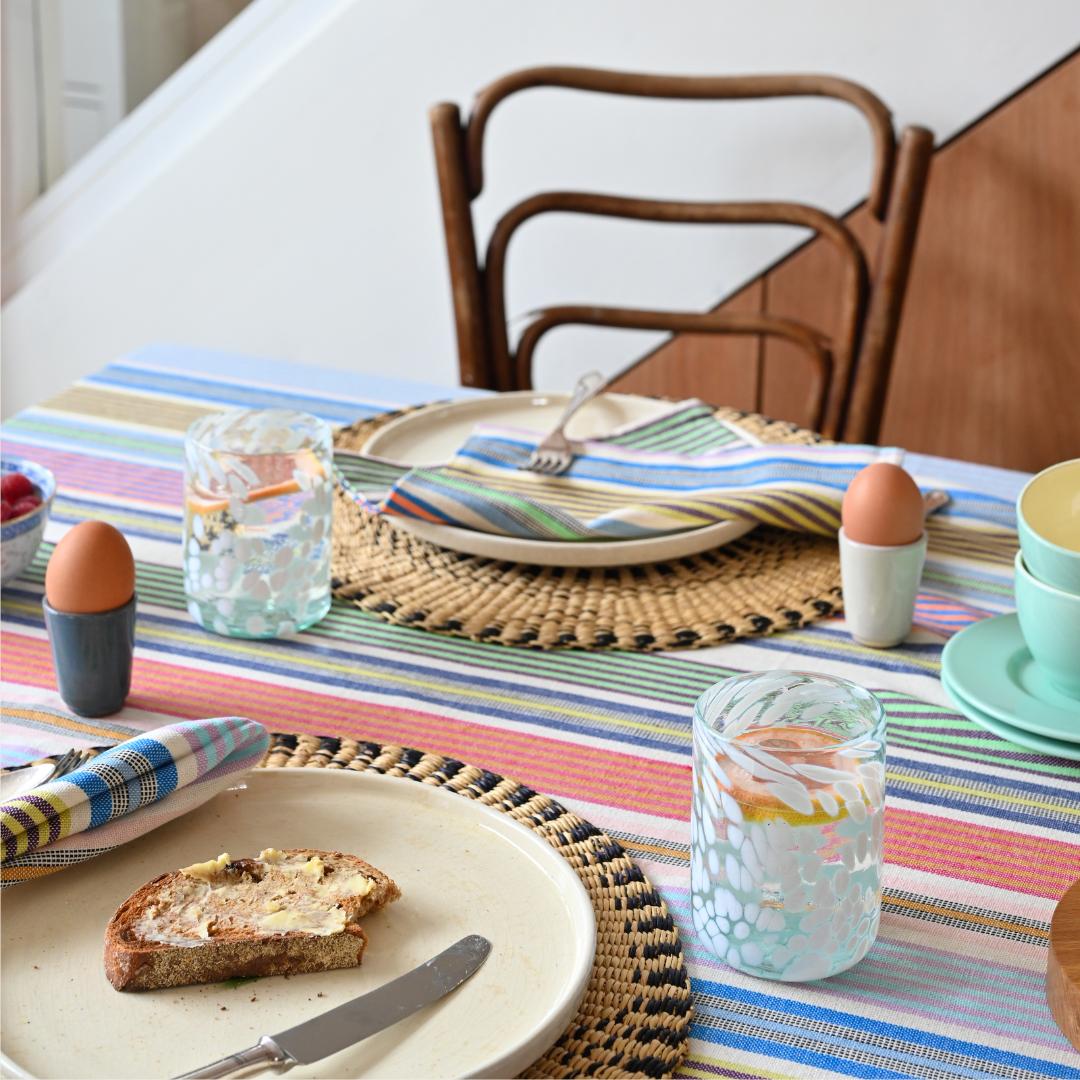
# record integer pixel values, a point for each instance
(69, 762)
(21, 781)
(555, 453)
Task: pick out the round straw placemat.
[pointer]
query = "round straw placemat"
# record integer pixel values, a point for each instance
(771, 579)
(635, 1017)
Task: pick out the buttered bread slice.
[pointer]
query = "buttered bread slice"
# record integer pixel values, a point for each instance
(283, 912)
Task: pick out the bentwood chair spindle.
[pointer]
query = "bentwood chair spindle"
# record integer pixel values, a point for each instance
(849, 367)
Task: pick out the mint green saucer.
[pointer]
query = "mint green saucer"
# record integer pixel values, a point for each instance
(989, 667)
(1041, 745)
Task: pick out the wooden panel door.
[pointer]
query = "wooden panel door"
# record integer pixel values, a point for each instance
(987, 366)
(721, 370)
(988, 363)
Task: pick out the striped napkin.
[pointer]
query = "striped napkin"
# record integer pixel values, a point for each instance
(679, 471)
(126, 791)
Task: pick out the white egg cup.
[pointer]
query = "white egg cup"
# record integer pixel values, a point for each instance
(880, 588)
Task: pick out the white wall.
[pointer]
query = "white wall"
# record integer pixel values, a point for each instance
(284, 202)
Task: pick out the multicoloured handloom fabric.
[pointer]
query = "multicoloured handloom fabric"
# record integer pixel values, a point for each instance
(981, 835)
(678, 471)
(123, 793)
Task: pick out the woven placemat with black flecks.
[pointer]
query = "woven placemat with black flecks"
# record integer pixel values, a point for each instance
(635, 1017)
(769, 580)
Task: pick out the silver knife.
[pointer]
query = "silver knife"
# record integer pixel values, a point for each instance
(361, 1017)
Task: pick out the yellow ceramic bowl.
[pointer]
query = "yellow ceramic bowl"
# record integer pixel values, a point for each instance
(1048, 519)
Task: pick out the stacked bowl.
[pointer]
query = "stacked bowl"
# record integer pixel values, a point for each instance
(1048, 573)
(1019, 674)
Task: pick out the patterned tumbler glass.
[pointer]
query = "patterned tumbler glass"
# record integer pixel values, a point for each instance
(787, 825)
(258, 493)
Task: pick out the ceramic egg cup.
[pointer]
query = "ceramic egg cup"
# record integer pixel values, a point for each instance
(882, 550)
(92, 654)
(880, 585)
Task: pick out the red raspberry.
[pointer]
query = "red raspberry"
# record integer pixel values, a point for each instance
(5, 510)
(15, 486)
(25, 505)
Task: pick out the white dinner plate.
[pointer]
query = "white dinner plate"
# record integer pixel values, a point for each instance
(432, 435)
(575, 552)
(462, 868)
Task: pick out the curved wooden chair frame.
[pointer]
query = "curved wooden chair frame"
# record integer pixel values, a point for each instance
(850, 369)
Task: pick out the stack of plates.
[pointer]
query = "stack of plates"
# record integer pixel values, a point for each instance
(431, 436)
(989, 672)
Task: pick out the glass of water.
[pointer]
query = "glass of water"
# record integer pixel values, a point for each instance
(258, 496)
(787, 825)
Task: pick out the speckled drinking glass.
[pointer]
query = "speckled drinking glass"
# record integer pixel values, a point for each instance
(258, 491)
(787, 824)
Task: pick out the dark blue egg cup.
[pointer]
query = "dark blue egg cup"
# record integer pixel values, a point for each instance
(92, 656)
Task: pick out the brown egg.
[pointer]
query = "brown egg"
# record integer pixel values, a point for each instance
(882, 506)
(91, 570)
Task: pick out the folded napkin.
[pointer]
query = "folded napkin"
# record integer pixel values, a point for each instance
(679, 471)
(126, 791)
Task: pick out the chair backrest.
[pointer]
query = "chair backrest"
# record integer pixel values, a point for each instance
(850, 366)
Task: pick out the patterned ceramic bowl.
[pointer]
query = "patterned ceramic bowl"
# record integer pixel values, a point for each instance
(21, 536)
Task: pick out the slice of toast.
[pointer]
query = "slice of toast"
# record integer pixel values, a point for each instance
(283, 912)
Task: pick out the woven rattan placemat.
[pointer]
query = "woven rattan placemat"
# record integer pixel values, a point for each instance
(635, 1017)
(769, 580)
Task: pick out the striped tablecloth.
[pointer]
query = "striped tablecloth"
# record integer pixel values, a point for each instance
(981, 836)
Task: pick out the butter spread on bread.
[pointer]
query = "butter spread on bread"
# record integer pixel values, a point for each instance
(280, 912)
(271, 894)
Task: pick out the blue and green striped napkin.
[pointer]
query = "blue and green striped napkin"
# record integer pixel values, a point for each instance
(682, 470)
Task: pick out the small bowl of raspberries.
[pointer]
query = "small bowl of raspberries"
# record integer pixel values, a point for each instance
(26, 493)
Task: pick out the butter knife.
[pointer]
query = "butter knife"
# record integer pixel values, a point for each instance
(363, 1016)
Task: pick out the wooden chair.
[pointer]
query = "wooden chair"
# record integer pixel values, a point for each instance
(850, 367)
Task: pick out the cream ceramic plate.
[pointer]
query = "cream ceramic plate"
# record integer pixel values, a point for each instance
(576, 553)
(462, 868)
(431, 436)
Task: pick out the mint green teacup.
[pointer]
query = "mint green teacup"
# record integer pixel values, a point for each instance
(1050, 622)
(1048, 519)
